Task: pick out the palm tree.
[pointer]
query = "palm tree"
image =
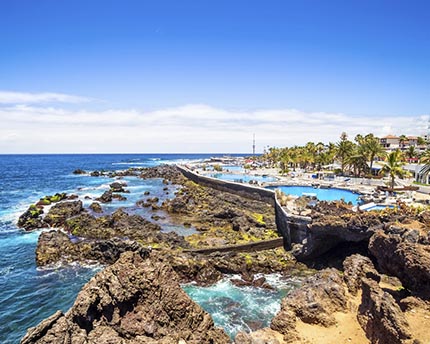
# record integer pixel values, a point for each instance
(344, 149)
(421, 141)
(393, 167)
(425, 170)
(402, 140)
(357, 161)
(373, 149)
(411, 153)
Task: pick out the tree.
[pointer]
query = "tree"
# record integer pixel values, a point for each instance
(344, 150)
(411, 153)
(372, 149)
(394, 167)
(402, 140)
(421, 141)
(357, 161)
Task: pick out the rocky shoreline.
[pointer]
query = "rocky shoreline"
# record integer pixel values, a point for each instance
(384, 297)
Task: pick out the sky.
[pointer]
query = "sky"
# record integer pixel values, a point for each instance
(141, 76)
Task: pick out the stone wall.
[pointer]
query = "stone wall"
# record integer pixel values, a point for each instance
(244, 190)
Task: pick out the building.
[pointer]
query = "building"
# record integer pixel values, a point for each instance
(392, 143)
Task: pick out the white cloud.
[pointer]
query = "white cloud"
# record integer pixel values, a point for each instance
(7, 97)
(189, 128)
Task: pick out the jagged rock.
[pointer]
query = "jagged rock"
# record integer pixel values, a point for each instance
(93, 233)
(31, 219)
(79, 171)
(357, 267)
(119, 197)
(60, 212)
(380, 316)
(34, 334)
(95, 174)
(314, 303)
(264, 336)
(56, 246)
(136, 300)
(118, 187)
(106, 197)
(167, 172)
(96, 207)
(317, 300)
(410, 262)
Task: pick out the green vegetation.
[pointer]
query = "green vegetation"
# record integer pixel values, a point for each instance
(345, 157)
(393, 167)
(217, 168)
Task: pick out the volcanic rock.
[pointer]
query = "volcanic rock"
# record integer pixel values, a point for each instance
(31, 219)
(106, 197)
(380, 316)
(136, 300)
(79, 171)
(60, 212)
(118, 187)
(398, 256)
(96, 207)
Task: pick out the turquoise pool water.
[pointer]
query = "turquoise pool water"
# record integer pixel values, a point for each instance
(332, 194)
(379, 207)
(242, 178)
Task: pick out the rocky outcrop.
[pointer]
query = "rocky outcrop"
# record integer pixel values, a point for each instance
(314, 303)
(118, 187)
(225, 217)
(31, 219)
(101, 239)
(380, 316)
(106, 197)
(355, 268)
(328, 225)
(56, 246)
(60, 212)
(399, 253)
(79, 171)
(136, 300)
(96, 207)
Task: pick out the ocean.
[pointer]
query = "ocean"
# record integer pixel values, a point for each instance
(29, 295)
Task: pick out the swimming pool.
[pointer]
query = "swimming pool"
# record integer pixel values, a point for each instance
(380, 207)
(242, 178)
(331, 194)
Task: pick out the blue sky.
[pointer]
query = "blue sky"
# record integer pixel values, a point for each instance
(237, 67)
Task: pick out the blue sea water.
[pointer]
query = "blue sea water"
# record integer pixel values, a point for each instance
(28, 294)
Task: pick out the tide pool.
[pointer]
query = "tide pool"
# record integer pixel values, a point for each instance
(242, 308)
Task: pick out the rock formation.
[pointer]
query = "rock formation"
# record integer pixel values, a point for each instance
(135, 300)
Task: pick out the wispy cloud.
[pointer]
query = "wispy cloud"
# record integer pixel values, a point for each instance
(7, 97)
(189, 128)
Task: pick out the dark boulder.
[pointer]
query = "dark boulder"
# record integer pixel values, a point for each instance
(96, 207)
(398, 256)
(60, 212)
(106, 197)
(380, 316)
(118, 187)
(123, 304)
(79, 171)
(31, 219)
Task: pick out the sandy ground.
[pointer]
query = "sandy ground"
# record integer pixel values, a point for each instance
(346, 330)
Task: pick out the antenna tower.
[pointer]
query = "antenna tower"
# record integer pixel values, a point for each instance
(253, 144)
